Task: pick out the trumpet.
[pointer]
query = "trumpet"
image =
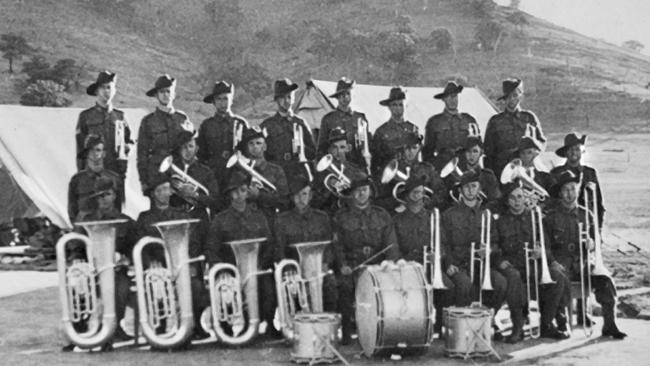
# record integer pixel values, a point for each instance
(120, 139)
(362, 143)
(476, 255)
(168, 164)
(299, 148)
(342, 182)
(78, 284)
(535, 194)
(434, 267)
(247, 166)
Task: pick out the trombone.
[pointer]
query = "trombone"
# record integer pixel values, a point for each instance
(238, 159)
(477, 254)
(434, 268)
(342, 182)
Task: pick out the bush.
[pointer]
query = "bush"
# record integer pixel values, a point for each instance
(489, 34)
(396, 47)
(441, 40)
(45, 93)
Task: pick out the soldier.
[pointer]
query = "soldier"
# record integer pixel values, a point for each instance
(198, 201)
(471, 159)
(220, 134)
(504, 130)
(389, 137)
(103, 120)
(82, 183)
(446, 132)
(305, 224)
(245, 221)
(572, 150)
(362, 231)
(528, 152)
(564, 239)
(282, 145)
(413, 230)
(514, 231)
(352, 122)
(159, 129)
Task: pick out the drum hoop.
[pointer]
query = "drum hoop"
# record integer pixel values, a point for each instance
(380, 308)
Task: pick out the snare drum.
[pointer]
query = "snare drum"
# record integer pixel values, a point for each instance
(313, 333)
(394, 308)
(468, 331)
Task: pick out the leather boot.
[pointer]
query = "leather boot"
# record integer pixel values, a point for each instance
(609, 327)
(517, 335)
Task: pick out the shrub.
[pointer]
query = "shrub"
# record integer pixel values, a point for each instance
(45, 93)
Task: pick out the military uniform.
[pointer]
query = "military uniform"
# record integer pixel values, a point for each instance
(445, 133)
(324, 199)
(101, 121)
(503, 134)
(215, 142)
(204, 175)
(279, 137)
(489, 184)
(156, 138)
(349, 122)
(81, 187)
(269, 201)
(388, 140)
(588, 174)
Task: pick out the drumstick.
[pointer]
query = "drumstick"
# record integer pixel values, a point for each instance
(372, 258)
(325, 339)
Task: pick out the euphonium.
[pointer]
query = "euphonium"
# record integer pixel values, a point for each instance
(163, 288)
(78, 285)
(227, 285)
(337, 175)
(434, 268)
(238, 159)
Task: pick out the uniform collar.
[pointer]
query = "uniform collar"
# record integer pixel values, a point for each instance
(171, 111)
(107, 109)
(451, 113)
(349, 112)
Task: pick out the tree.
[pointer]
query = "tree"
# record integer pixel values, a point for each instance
(441, 39)
(633, 45)
(14, 47)
(37, 68)
(68, 73)
(45, 93)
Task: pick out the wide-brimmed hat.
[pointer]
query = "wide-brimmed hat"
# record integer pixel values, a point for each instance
(237, 179)
(570, 140)
(450, 89)
(412, 139)
(101, 186)
(90, 142)
(359, 179)
(282, 87)
(508, 86)
(470, 142)
(156, 180)
(343, 85)
(468, 177)
(183, 137)
(336, 134)
(102, 78)
(565, 177)
(411, 183)
(297, 183)
(396, 93)
(527, 142)
(508, 188)
(248, 135)
(164, 81)
(220, 87)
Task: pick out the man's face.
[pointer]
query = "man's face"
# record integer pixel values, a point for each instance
(451, 102)
(470, 190)
(106, 92)
(239, 194)
(473, 154)
(361, 195)
(411, 152)
(256, 148)
(285, 102)
(517, 201)
(301, 199)
(162, 193)
(223, 102)
(344, 99)
(396, 109)
(569, 193)
(528, 155)
(338, 149)
(513, 100)
(106, 200)
(574, 154)
(96, 153)
(188, 151)
(416, 195)
(166, 95)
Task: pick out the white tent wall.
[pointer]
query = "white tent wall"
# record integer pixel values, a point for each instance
(38, 148)
(420, 104)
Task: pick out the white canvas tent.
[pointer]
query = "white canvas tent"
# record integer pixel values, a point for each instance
(37, 147)
(312, 103)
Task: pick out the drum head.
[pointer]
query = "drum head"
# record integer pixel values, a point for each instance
(367, 312)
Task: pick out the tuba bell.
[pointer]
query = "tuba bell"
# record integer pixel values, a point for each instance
(163, 287)
(78, 282)
(240, 160)
(341, 181)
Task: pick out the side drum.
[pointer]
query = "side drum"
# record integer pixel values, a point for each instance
(315, 338)
(394, 309)
(468, 331)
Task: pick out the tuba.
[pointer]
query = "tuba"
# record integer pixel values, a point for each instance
(238, 159)
(300, 287)
(342, 182)
(120, 139)
(361, 142)
(434, 268)
(78, 282)
(535, 193)
(233, 291)
(163, 288)
(483, 260)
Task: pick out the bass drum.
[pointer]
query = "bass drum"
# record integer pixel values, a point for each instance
(316, 338)
(394, 309)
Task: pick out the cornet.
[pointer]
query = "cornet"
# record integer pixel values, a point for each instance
(256, 178)
(299, 148)
(535, 193)
(78, 284)
(120, 139)
(342, 182)
(362, 143)
(168, 163)
(476, 255)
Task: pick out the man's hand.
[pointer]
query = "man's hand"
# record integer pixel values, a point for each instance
(557, 267)
(504, 265)
(186, 190)
(253, 190)
(346, 270)
(452, 270)
(590, 244)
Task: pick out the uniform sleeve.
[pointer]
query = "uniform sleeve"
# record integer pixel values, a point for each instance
(444, 242)
(73, 200)
(144, 148)
(280, 240)
(308, 139)
(214, 242)
(210, 182)
(429, 142)
(323, 136)
(127, 132)
(278, 199)
(80, 136)
(201, 141)
(489, 145)
(389, 238)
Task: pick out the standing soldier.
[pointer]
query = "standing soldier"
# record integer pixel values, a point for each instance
(504, 130)
(220, 134)
(352, 122)
(107, 122)
(289, 140)
(446, 132)
(159, 129)
(389, 137)
(572, 150)
(362, 231)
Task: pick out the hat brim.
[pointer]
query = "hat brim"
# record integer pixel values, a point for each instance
(555, 189)
(561, 152)
(338, 92)
(386, 102)
(292, 87)
(443, 95)
(92, 89)
(152, 92)
(505, 95)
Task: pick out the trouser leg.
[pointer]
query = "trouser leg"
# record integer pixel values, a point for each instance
(462, 289)
(515, 296)
(494, 298)
(554, 297)
(346, 303)
(442, 299)
(606, 296)
(267, 299)
(330, 293)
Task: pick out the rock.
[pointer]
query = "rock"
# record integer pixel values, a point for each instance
(629, 309)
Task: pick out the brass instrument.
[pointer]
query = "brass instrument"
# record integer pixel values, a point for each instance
(120, 139)
(163, 288)
(342, 182)
(534, 193)
(256, 178)
(362, 142)
(391, 171)
(168, 164)
(78, 282)
(482, 255)
(233, 291)
(237, 132)
(300, 287)
(451, 168)
(299, 148)
(434, 268)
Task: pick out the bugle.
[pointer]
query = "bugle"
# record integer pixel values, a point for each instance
(244, 163)
(434, 268)
(340, 181)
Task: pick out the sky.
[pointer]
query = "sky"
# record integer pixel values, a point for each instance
(614, 21)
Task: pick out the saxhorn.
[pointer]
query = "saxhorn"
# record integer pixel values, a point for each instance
(238, 159)
(340, 181)
(168, 164)
(78, 282)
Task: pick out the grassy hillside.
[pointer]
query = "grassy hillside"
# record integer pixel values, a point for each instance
(572, 81)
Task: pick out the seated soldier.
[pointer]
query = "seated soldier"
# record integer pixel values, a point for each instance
(471, 159)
